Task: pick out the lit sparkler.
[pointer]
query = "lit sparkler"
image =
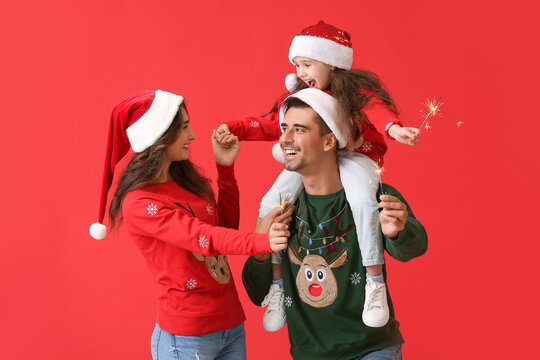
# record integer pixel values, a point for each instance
(459, 123)
(433, 109)
(379, 170)
(284, 202)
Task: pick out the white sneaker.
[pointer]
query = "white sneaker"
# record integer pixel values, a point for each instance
(274, 316)
(376, 313)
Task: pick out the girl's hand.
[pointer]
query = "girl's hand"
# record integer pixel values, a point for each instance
(278, 236)
(225, 155)
(222, 131)
(405, 135)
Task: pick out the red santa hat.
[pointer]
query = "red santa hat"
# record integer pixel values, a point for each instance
(139, 120)
(322, 42)
(324, 104)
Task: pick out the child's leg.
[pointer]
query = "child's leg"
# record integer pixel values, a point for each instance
(288, 182)
(274, 316)
(360, 181)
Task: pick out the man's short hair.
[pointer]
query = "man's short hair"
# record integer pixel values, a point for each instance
(293, 102)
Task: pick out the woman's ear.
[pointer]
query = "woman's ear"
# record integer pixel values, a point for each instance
(330, 142)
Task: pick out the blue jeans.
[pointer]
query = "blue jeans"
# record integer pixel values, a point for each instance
(222, 345)
(390, 353)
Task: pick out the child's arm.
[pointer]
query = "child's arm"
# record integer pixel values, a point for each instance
(387, 122)
(252, 129)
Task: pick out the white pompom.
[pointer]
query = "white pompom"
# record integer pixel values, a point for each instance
(98, 231)
(290, 81)
(278, 153)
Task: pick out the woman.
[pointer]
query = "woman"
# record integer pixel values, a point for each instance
(169, 210)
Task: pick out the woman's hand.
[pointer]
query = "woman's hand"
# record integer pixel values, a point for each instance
(225, 154)
(275, 221)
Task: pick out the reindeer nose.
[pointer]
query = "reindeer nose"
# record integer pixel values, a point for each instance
(315, 289)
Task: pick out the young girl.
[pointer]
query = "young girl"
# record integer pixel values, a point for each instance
(169, 211)
(323, 58)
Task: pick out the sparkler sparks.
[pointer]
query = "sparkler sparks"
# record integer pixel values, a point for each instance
(459, 123)
(433, 109)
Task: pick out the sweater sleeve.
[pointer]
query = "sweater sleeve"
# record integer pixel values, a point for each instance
(228, 197)
(257, 278)
(380, 116)
(150, 217)
(257, 128)
(412, 241)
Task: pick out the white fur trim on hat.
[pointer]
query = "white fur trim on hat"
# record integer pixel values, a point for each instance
(326, 106)
(98, 231)
(277, 153)
(321, 49)
(290, 81)
(144, 132)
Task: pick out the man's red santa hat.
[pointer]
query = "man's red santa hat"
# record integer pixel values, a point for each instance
(140, 120)
(322, 42)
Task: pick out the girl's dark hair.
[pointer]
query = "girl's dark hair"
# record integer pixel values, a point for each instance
(345, 86)
(145, 167)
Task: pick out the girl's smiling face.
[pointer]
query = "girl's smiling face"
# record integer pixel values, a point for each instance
(314, 73)
(179, 150)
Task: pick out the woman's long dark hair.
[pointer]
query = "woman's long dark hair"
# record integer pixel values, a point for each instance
(344, 86)
(146, 166)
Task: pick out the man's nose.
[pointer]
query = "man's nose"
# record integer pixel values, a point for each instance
(286, 137)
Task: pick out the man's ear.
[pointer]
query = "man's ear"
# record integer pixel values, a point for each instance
(330, 142)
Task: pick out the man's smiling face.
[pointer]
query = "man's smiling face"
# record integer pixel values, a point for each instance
(301, 141)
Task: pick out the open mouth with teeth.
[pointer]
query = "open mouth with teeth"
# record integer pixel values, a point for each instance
(290, 152)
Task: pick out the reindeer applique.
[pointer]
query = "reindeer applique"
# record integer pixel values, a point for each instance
(315, 281)
(217, 266)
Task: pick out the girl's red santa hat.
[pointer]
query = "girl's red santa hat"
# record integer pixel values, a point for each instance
(322, 42)
(138, 121)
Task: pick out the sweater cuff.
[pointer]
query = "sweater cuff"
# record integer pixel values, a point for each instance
(393, 122)
(261, 244)
(401, 237)
(225, 170)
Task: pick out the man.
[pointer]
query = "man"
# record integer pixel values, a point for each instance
(324, 280)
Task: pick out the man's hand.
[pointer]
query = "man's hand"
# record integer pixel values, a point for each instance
(393, 215)
(405, 135)
(225, 154)
(278, 236)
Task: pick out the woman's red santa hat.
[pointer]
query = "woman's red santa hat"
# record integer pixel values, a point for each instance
(322, 42)
(138, 121)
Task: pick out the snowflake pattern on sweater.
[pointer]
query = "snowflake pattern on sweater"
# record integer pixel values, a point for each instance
(203, 242)
(152, 209)
(191, 284)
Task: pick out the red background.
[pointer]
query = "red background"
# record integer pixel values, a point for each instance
(65, 64)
